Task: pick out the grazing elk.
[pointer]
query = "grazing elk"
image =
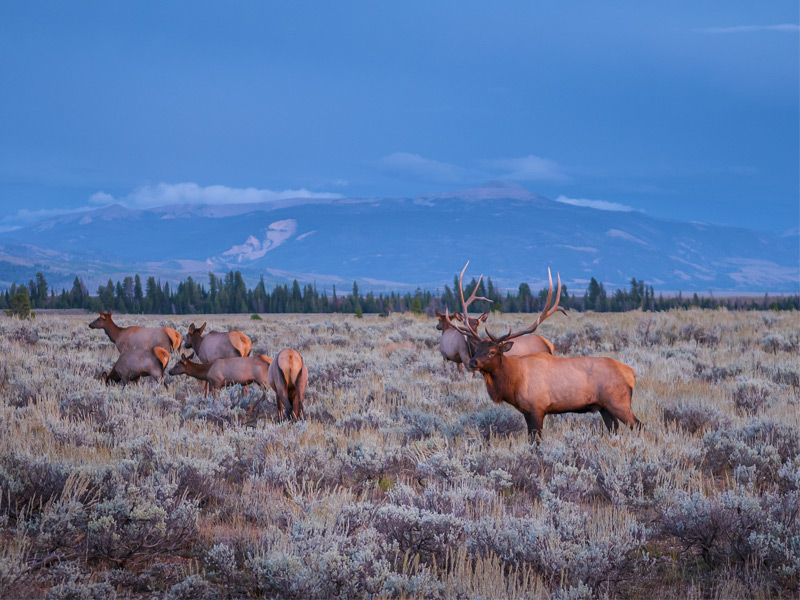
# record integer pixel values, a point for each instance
(216, 344)
(226, 371)
(136, 362)
(142, 338)
(287, 377)
(541, 384)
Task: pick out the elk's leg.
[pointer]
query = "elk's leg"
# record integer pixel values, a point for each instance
(534, 421)
(460, 366)
(299, 393)
(624, 414)
(612, 423)
(279, 406)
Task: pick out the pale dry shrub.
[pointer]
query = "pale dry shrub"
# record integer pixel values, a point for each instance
(692, 417)
(569, 547)
(750, 396)
(737, 527)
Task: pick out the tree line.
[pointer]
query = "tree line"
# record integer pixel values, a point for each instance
(230, 294)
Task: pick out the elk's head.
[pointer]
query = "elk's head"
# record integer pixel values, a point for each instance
(195, 333)
(102, 321)
(181, 367)
(487, 352)
(486, 355)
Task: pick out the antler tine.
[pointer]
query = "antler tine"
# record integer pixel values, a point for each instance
(493, 337)
(465, 303)
(473, 297)
(547, 311)
(468, 331)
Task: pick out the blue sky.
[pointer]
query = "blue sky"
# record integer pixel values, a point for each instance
(683, 110)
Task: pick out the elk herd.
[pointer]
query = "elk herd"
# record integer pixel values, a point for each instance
(519, 368)
(224, 360)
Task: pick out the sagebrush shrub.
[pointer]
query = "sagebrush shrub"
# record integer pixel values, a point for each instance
(737, 527)
(693, 417)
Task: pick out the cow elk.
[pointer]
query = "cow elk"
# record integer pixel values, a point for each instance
(135, 362)
(542, 384)
(216, 344)
(453, 344)
(223, 372)
(142, 338)
(287, 377)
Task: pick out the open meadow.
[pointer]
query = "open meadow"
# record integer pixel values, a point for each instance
(404, 479)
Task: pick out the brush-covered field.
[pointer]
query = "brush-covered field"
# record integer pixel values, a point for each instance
(404, 480)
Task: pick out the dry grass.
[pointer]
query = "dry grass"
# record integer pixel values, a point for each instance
(404, 480)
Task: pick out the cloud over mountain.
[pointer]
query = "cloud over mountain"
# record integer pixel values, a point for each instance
(165, 194)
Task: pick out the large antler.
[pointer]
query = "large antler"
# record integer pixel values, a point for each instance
(546, 312)
(467, 330)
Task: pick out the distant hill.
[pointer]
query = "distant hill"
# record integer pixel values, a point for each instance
(507, 232)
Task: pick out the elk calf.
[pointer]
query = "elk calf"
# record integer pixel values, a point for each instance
(135, 363)
(142, 338)
(226, 371)
(287, 377)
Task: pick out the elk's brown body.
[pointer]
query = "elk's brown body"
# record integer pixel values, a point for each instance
(216, 344)
(541, 384)
(136, 337)
(135, 362)
(222, 372)
(287, 377)
(530, 344)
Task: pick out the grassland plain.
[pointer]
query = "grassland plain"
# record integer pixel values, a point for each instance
(404, 480)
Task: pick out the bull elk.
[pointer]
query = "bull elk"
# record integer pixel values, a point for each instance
(542, 384)
(216, 344)
(287, 377)
(458, 348)
(142, 338)
(223, 372)
(135, 362)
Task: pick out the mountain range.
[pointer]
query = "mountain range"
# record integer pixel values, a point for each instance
(507, 232)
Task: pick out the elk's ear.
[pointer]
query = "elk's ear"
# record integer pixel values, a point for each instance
(192, 356)
(191, 327)
(202, 328)
(438, 314)
(505, 346)
(183, 356)
(483, 317)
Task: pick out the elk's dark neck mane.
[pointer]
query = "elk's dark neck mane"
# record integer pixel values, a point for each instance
(500, 381)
